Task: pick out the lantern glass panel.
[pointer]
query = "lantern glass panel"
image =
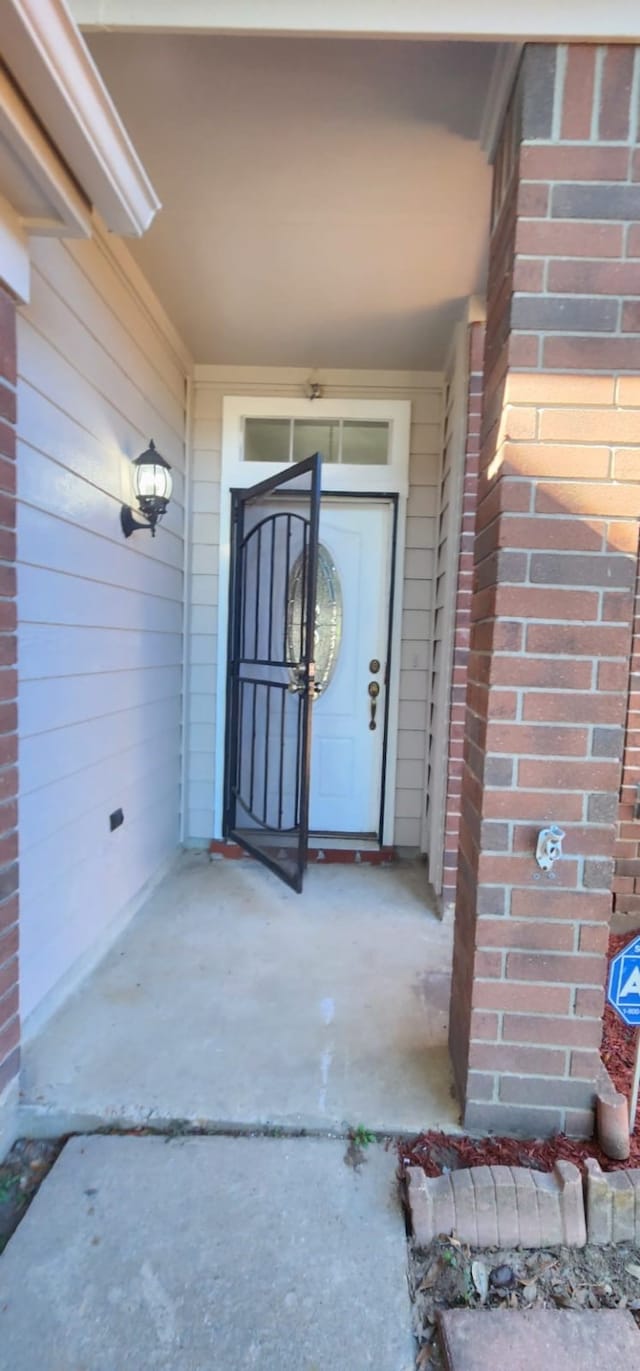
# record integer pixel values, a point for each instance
(153, 480)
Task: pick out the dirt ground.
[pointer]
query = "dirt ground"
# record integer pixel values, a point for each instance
(448, 1274)
(20, 1175)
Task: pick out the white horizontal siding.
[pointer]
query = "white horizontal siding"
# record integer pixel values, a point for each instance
(100, 618)
(63, 598)
(62, 923)
(68, 796)
(76, 699)
(445, 586)
(425, 393)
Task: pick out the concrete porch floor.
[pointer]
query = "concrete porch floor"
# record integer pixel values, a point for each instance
(229, 1001)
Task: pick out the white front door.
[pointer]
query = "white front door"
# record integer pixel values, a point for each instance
(347, 733)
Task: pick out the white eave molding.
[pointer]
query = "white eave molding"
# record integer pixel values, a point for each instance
(494, 20)
(63, 209)
(50, 62)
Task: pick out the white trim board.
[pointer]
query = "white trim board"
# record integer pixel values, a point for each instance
(51, 63)
(61, 210)
(494, 20)
(14, 253)
(390, 479)
(283, 380)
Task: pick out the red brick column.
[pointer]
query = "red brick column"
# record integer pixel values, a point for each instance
(9, 1008)
(552, 609)
(462, 621)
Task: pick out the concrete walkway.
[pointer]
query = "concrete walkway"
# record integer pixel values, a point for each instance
(209, 1254)
(229, 1000)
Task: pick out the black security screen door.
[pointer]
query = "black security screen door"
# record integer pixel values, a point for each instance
(274, 558)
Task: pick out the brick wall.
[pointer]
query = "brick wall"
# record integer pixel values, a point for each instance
(552, 609)
(462, 621)
(9, 1009)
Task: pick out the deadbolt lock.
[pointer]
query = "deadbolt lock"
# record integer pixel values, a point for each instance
(374, 665)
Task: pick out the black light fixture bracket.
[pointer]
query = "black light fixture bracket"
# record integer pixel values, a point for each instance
(129, 524)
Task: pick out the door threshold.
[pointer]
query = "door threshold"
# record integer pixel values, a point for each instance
(365, 842)
(332, 849)
(363, 853)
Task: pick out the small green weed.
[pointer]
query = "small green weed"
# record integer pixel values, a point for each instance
(362, 1136)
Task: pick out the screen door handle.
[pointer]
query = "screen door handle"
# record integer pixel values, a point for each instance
(297, 685)
(303, 680)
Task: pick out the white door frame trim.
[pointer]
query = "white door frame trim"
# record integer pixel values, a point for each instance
(392, 479)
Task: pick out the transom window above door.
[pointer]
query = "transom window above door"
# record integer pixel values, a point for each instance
(364, 443)
(350, 442)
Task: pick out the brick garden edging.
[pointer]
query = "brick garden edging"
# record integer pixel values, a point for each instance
(499, 1206)
(514, 1206)
(613, 1204)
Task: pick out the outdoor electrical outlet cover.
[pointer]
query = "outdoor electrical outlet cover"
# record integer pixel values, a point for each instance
(549, 846)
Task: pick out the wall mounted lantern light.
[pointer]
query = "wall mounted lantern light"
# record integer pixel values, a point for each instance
(152, 486)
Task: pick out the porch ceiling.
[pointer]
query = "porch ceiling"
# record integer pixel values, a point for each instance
(325, 200)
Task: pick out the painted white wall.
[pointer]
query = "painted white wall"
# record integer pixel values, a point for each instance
(100, 620)
(211, 384)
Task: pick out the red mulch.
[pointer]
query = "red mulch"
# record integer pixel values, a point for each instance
(435, 1151)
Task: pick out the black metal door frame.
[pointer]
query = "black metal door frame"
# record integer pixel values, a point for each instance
(282, 847)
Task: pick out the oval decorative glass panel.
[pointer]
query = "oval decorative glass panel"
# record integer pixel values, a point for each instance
(328, 626)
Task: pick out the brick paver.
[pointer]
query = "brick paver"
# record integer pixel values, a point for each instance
(558, 1340)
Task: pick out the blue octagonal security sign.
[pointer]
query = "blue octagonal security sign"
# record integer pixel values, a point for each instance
(623, 991)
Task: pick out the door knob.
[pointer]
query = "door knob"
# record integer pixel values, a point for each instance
(374, 691)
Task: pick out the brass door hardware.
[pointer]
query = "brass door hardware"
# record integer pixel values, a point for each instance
(374, 691)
